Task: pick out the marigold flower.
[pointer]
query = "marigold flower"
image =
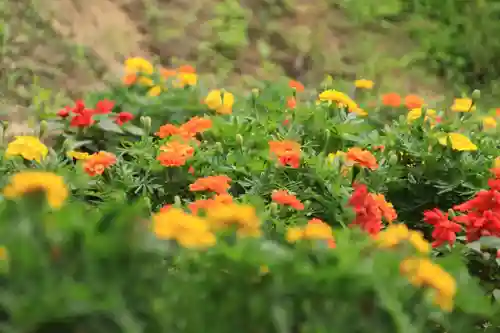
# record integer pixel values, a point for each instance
(458, 142)
(489, 122)
(138, 65)
(413, 102)
(129, 79)
(98, 162)
(220, 101)
(186, 69)
(155, 91)
(340, 155)
(392, 100)
(314, 230)
(124, 117)
(299, 87)
(363, 158)
(32, 181)
(189, 231)
(77, 155)
(291, 102)
(364, 84)
(217, 184)
(285, 198)
(445, 231)
(386, 208)
(422, 272)
(243, 217)
(368, 214)
(187, 130)
(175, 154)
(463, 105)
(395, 234)
(288, 152)
(29, 147)
(415, 114)
(186, 79)
(339, 98)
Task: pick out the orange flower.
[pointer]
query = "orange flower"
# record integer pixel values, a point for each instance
(98, 162)
(168, 130)
(361, 157)
(386, 208)
(204, 204)
(299, 87)
(187, 130)
(287, 152)
(167, 73)
(175, 153)
(391, 99)
(291, 102)
(186, 69)
(379, 147)
(413, 102)
(317, 226)
(129, 79)
(217, 184)
(285, 198)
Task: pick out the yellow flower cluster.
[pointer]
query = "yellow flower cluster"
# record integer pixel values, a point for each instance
(195, 232)
(395, 234)
(29, 147)
(422, 272)
(458, 142)
(33, 181)
(312, 231)
(341, 99)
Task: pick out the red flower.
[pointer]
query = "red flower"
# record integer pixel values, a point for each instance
(105, 106)
(83, 118)
(445, 231)
(299, 87)
(124, 117)
(64, 112)
(368, 215)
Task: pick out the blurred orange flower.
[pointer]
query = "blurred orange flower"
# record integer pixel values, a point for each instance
(287, 152)
(391, 99)
(299, 87)
(363, 158)
(413, 102)
(175, 153)
(386, 208)
(217, 184)
(98, 162)
(285, 198)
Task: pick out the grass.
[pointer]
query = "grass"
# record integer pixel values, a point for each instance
(52, 53)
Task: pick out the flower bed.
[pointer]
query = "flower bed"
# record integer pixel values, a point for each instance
(166, 207)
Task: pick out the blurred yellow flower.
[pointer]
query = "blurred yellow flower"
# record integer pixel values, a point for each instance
(415, 114)
(186, 79)
(155, 91)
(32, 181)
(422, 272)
(314, 230)
(29, 147)
(138, 65)
(220, 101)
(188, 230)
(4, 254)
(496, 164)
(364, 84)
(243, 217)
(78, 155)
(340, 99)
(395, 234)
(337, 155)
(458, 142)
(463, 105)
(489, 122)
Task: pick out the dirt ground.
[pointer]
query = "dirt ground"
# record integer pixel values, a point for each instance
(55, 50)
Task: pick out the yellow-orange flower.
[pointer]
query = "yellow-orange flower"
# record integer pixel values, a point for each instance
(339, 98)
(77, 155)
(243, 217)
(489, 122)
(98, 162)
(463, 105)
(33, 181)
(364, 84)
(458, 142)
(29, 147)
(288, 152)
(314, 230)
(386, 208)
(363, 158)
(220, 101)
(395, 234)
(189, 231)
(415, 114)
(217, 184)
(175, 153)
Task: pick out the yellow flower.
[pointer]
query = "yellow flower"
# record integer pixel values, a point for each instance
(422, 272)
(395, 234)
(458, 142)
(263, 270)
(29, 147)
(463, 105)
(489, 122)
(4, 254)
(188, 230)
(294, 234)
(364, 84)
(186, 79)
(337, 155)
(78, 155)
(32, 181)
(155, 91)
(415, 114)
(317, 231)
(243, 217)
(496, 164)
(220, 101)
(339, 98)
(138, 65)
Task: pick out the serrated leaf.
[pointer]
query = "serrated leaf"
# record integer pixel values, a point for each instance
(110, 126)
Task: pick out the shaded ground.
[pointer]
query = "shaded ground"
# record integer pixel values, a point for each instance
(52, 50)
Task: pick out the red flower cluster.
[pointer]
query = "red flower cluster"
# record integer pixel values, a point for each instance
(83, 116)
(368, 215)
(481, 217)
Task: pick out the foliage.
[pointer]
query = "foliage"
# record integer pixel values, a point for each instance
(161, 206)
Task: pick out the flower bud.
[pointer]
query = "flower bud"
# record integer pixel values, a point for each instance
(177, 201)
(44, 126)
(239, 139)
(476, 94)
(393, 159)
(68, 144)
(274, 208)
(146, 124)
(451, 213)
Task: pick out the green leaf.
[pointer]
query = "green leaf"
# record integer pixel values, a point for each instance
(132, 129)
(490, 242)
(109, 126)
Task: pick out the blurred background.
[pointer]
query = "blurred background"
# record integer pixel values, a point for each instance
(53, 50)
